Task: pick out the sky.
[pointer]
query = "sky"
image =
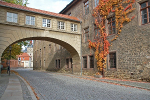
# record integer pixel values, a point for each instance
(49, 5)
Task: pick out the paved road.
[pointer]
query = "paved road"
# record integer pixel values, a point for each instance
(53, 86)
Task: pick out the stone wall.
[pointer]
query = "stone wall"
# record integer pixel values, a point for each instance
(132, 47)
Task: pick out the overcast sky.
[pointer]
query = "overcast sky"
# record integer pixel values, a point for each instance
(49, 5)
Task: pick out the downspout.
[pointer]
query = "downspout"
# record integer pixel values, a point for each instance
(81, 47)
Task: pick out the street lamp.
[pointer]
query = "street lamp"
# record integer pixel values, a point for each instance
(8, 69)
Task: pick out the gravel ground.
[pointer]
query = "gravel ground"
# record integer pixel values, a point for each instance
(4, 79)
(53, 86)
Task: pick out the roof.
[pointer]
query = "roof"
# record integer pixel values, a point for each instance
(72, 3)
(23, 55)
(19, 7)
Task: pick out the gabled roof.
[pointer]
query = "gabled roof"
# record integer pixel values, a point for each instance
(23, 55)
(33, 10)
(72, 3)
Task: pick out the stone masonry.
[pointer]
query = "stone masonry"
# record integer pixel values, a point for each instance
(13, 32)
(132, 47)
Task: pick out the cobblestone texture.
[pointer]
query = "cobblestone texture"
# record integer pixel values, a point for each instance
(52, 86)
(4, 79)
(25, 92)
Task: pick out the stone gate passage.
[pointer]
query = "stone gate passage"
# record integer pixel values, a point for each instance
(19, 23)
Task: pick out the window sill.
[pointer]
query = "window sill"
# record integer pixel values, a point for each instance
(112, 69)
(12, 23)
(87, 68)
(111, 34)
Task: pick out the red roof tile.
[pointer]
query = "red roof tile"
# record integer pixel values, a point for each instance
(23, 55)
(2, 3)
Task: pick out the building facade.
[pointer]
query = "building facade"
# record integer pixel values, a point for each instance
(23, 60)
(30, 53)
(129, 56)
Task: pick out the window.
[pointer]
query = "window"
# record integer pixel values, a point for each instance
(44, 62)
(111, 25)
(86, 34)
(85, 62)
(12, 17)
(67, 63)
(40, 63)
(30, 20)
(96, 3)
(61, 25)
(73, 27)
(46, 22)
(71, 62)
(69, 14)
(57, 63)
(96, 31)
(112, 60)
(86, 7)
(145, 12)
(91, 61)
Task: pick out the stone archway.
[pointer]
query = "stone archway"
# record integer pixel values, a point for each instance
(10, 34)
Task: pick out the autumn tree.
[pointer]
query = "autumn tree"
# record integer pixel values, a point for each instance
(18, 2)
(16, 50)
(120, 9)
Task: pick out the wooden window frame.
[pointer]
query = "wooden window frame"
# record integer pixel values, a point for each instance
(74, 27)
(31, 22)
(69, 63)
(96, 35)
(147, 11)
(95, 3)
(109, 66)
(111, 26)
(46, 23)
(61, 25)
(57, 63)
(86, 34)
(86, 7)
(86, 62)
(12, 17)
(90, 61)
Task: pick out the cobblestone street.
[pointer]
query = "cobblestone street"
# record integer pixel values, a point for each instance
(54, 86)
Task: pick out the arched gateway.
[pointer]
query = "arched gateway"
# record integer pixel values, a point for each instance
(18, 23)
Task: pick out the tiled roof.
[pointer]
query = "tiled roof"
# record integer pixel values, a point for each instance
(23, 55)
(10, 5)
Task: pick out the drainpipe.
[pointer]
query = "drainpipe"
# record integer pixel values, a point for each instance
(81, 48)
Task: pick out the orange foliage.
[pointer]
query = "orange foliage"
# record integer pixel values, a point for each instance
(105, 7)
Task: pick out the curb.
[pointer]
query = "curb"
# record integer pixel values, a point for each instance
(29, 88)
